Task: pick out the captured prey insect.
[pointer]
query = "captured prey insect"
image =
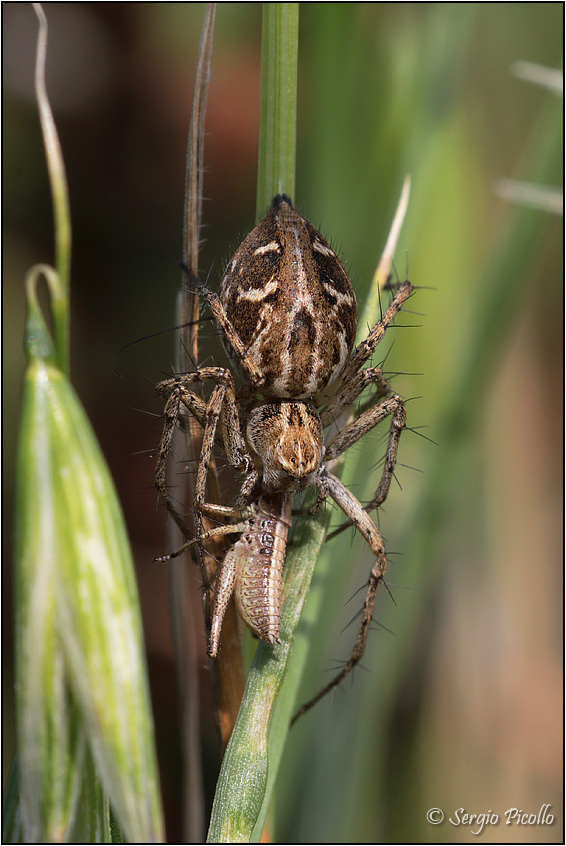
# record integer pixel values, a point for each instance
(288, 314)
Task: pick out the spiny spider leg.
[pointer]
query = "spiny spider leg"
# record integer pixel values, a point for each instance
(366, 347)
(179, 395)
(213, 301)
(360, 518)
(359, 427)
(227, 412)
(224, 409)
(221, 408)
(365, 423)
(351, 390)
(213, 411)
(398, 423)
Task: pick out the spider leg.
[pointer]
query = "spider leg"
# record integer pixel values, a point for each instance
(213, 411)
(360, 518)
(221, 407)
(233, 441)
(244, 359)
(178, 386)
(350, 390)
(366, 348)
(398, 423)
(171, 414)
(363, 424)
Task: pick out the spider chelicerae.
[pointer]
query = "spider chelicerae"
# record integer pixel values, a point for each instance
(288, 314)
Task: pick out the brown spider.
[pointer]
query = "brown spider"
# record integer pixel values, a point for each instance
(288, 313)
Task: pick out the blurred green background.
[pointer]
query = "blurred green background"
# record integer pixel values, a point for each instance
(461, 702)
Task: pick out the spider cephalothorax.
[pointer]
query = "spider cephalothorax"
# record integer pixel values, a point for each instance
(287, 438)
(288, 313)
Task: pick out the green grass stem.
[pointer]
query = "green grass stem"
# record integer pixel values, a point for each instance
(278, 106)
(242, 794)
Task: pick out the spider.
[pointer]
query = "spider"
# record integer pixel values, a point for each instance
(288, 314)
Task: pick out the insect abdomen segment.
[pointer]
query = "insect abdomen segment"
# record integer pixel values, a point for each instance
(252, 570)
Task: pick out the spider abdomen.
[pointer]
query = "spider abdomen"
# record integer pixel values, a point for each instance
(258, 556)
(289, 298)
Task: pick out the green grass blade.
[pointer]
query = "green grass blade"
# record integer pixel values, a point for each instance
(49, 746)
(12, 830)
(242, 790)
(81, 679)
(278, 108)
(79, 646)
(505, 280)
(92, 819)
(250, 764)
(60, 197)
(362, 732)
